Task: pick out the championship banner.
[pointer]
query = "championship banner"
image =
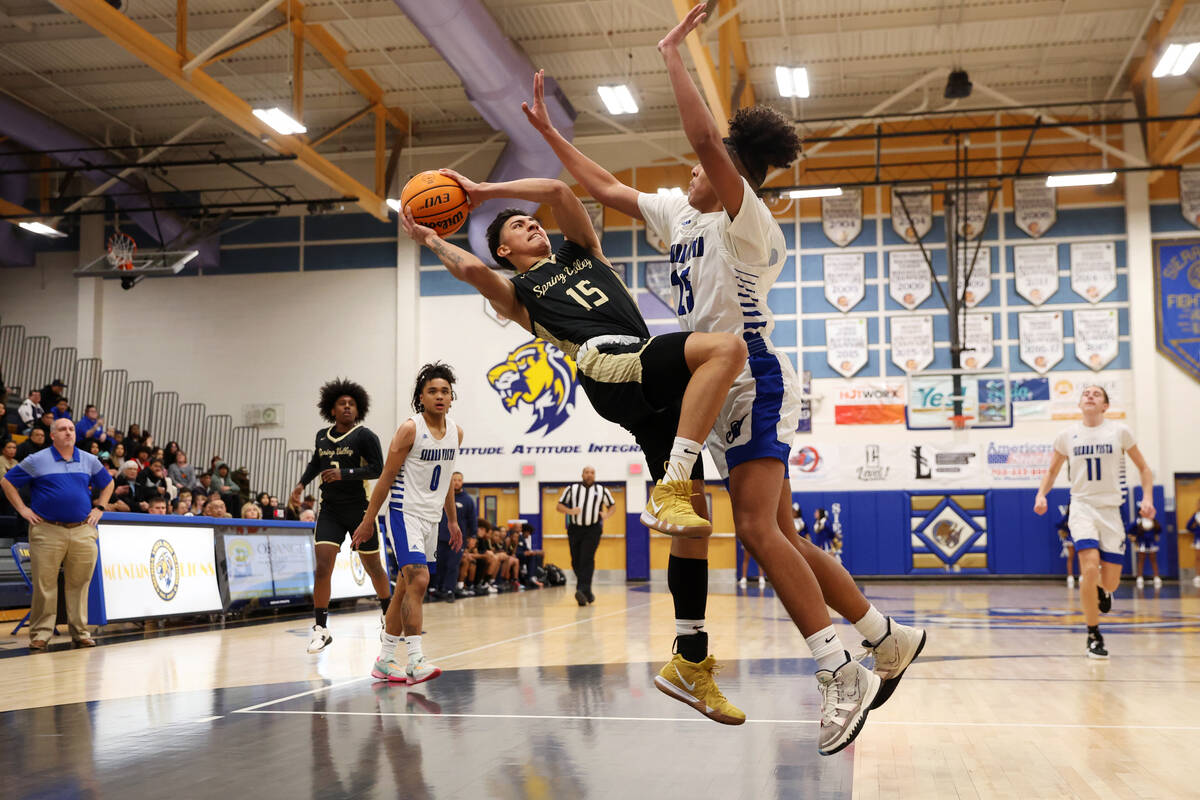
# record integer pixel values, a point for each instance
(909, 281)
(841, 216)
(980, 284)
(1035, 206)
(911, 343)
(973, 217)
(157, 570)
(870, 404)
(918, 221)
(975, 334)
(805, 425)
(845, 279)
(1095, 336)
(1177, 302)
(1036, 268)
(1189, 195)
(1041, 335)
(846, 346)
(1018, 463)
(248, 566)
(1093, 269)
(349, 576)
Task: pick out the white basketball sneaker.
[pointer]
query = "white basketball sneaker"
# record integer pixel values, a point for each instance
(1157, 582)
(893, 654)
(846, 697)
(1140, 581)
(1070, 581)
(420, 670)
(320, 639)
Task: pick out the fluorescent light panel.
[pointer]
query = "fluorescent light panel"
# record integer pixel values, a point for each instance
(1176, 59)
(41, 229)
(394, 204)
(828, 191)
(793, 81)
(280, 121)
(618, 99)
(1082, 179)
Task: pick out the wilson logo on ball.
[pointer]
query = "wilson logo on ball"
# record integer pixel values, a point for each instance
(436, 201)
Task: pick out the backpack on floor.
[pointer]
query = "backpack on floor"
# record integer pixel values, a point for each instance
(555, 576)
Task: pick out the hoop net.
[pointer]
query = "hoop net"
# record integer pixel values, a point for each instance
(959, 422)
(121, 249)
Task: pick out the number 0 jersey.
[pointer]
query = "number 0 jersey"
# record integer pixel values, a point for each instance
(1096, 461)
(421, 485)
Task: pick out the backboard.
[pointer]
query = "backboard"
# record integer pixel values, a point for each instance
(985, 398)
(145, 262)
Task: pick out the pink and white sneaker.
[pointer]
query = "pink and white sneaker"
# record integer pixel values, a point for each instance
(420, 670)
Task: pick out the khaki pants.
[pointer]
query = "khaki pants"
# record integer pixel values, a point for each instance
(52, 546)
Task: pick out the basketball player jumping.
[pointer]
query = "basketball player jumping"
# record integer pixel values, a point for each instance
(346, 455)
(1094, 451)
(665, 390)
(416, 482)
(727, 251)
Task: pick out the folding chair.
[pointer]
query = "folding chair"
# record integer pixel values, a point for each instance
(20, 555)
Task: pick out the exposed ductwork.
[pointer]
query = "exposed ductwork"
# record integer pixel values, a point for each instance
(35, 131)
(497, 76)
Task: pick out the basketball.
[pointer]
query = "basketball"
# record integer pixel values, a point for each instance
(436, 201)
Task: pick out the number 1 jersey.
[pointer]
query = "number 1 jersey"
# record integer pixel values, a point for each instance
(421, 485)
(1096, 461)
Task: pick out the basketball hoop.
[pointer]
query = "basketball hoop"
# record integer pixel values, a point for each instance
(958, 422)
(121, 249)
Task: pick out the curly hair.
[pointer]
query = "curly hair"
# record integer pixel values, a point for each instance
(343, 387)
(761, 138)
(493, 234)
(428, 373)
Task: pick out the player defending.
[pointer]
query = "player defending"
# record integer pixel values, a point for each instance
(731, 252)
(1094, 451)
(416, 482)
(346, 455)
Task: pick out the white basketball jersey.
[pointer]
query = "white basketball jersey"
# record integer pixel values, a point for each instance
(1096, 461)
(421, 485)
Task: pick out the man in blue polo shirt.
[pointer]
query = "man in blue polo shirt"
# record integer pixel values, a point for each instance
(62, 530)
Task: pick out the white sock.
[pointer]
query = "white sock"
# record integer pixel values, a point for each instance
(414, 648)
(686, 627)
(388, 648)
(827, 649)
(683, 457)
(873, 626)
(460, 584)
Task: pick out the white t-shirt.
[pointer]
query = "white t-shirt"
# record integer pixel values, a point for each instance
(421, 485)
(1096, 461)
(721, 268)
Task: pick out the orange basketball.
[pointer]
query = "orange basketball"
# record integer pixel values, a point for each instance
(436, 201)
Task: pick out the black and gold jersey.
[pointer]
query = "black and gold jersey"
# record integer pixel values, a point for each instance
(356, 453)
(573, 296)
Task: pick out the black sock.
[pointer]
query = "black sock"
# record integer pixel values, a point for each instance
(321, 615)
(383, 603)
(687, 578)
(693, 647)
(1093, 630)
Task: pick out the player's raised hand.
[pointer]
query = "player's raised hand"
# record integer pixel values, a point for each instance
(688, 24)
(474, 190)
(417, 232)
(538, 115)
(1039, 505)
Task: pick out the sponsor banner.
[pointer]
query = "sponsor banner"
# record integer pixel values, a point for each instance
(1177, 303)
(1041, 335)
(946, 464)
(1093, 269)
(813, 463)
(1036, 268)
(846, 347)
(1095, 336)
(292, 564)
(871, 467)
(349, 577)
(1035, 206)
(994, 401)
(912, 217)
(870, 404)
(909, 281)
(805, 425)
(973, 216)
(1031, 398)
(911, 341)
(248, 566)
(1189, 195)
(980, 284)
(157, 570)
(841, 217)
(931, 400)
(1018, 463)
(1065, 390)
(845, 279)
(975, 333)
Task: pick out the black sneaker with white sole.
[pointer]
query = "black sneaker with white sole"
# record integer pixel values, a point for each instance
(1095, 646)
(1105, 600)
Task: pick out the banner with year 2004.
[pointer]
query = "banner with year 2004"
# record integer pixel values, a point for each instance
(912, 212)
(1041, 336)
(846, 347)
(841, 217)
(1035, 206)
(1096, 336)
(1036, 268)
(1093, 269)
(909, 281)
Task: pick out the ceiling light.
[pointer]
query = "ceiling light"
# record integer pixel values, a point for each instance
(793, 81)
(1176, 59)
(42, 229)
(618, 99)
(280, 120)
(827, 191)
(673, 191)
(393, 204)
(1081, 179)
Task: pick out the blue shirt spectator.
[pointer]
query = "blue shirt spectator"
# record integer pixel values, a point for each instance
(59, 489)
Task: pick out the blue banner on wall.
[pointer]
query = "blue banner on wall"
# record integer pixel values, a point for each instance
(1177, 302)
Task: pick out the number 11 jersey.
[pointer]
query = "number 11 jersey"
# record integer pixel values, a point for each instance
(1096, 461)
(421, 485)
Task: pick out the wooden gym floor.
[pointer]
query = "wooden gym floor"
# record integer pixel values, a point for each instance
(544, 699)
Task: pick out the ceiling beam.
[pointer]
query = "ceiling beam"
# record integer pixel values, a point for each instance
(230, 36)
(146, 47)
(323, 42)
(1177, 136)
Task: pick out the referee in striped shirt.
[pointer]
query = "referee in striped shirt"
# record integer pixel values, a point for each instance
(587, 504)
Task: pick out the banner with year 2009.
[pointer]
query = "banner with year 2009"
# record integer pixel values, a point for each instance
(909, 281)
(844, 279)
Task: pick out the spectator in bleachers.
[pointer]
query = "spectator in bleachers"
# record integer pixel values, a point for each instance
(308, 515)
(91, 446)
(91, 426)
(292, 510)
(157, 505)
(185, 495)
(148, 440)
(241, 479)
(251, 511)
(30, 411)
(62, 409)
(182, 507)
(272, 509)
(309, 503)
(181, 472)
(125, 491)
(170, 451)
(44, 422)
(198, 501)
(203, 484)
(151, 484)
(142, 455)
(117, 454)
(157, 454)
(8, 456)
(133, 437)
(36, 441)
(51, 392)
(223, 484)
(216, 508)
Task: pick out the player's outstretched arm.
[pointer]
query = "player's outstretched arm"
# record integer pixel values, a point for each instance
(398, 450)
(698, 124)
(1146, 507)
(1056, 462)
(595, 179)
